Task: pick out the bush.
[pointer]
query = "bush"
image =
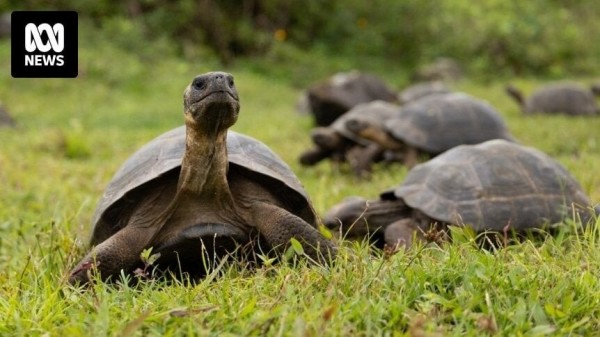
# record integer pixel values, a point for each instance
(536, 37)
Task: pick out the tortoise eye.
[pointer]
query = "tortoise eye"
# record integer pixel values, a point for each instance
(199, 83)
(230, 79)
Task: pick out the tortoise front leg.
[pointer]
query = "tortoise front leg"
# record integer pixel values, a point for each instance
(361, 159)
(313, 156)
(122, 250)
(279, 226)
(411, 156)
(119, 252)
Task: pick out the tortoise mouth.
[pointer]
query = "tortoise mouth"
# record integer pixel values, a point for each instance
(228, 93)
(217, 95)
(221, 104)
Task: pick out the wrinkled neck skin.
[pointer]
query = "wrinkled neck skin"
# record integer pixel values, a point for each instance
(203, 176)
(204, 167)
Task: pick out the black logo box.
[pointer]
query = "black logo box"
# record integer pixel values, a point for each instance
(20, 19)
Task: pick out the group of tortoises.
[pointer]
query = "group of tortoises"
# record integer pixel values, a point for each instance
(201, 191)
(429, 119)
(424, 127)
(480, 177)
(426, 120)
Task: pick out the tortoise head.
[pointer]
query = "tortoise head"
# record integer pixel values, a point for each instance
(357, 125)
(326, 137)
(358, 218)
(211, 102)
(515, 93)
(348, 217)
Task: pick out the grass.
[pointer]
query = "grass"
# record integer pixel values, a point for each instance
(73, 135)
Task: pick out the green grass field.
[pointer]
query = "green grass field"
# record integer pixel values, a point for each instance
(74, 133)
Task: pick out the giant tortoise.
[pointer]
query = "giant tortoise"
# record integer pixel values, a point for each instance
(561, 97)
(432, 125)
(341, 145)
(200, 191)
(490, 186)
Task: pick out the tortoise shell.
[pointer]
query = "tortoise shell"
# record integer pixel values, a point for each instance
(562, 97)
(437, 123)
(163, 155)
(491, 185)
(333, 97)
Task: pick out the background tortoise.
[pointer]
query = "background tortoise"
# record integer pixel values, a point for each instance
(487, 186)
(562, 97)
(434, 124)
(200, 189)
(331, 98)
(341, 145)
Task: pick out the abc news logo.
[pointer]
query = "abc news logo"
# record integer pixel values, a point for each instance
(44, 44)
(33, 42)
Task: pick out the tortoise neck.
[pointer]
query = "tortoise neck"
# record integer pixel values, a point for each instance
(383, 212)
(204, 167)
(517, 95)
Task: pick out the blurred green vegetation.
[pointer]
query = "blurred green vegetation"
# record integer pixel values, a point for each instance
(490, 38)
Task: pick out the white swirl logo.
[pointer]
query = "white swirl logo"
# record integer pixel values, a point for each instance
(33, 37)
